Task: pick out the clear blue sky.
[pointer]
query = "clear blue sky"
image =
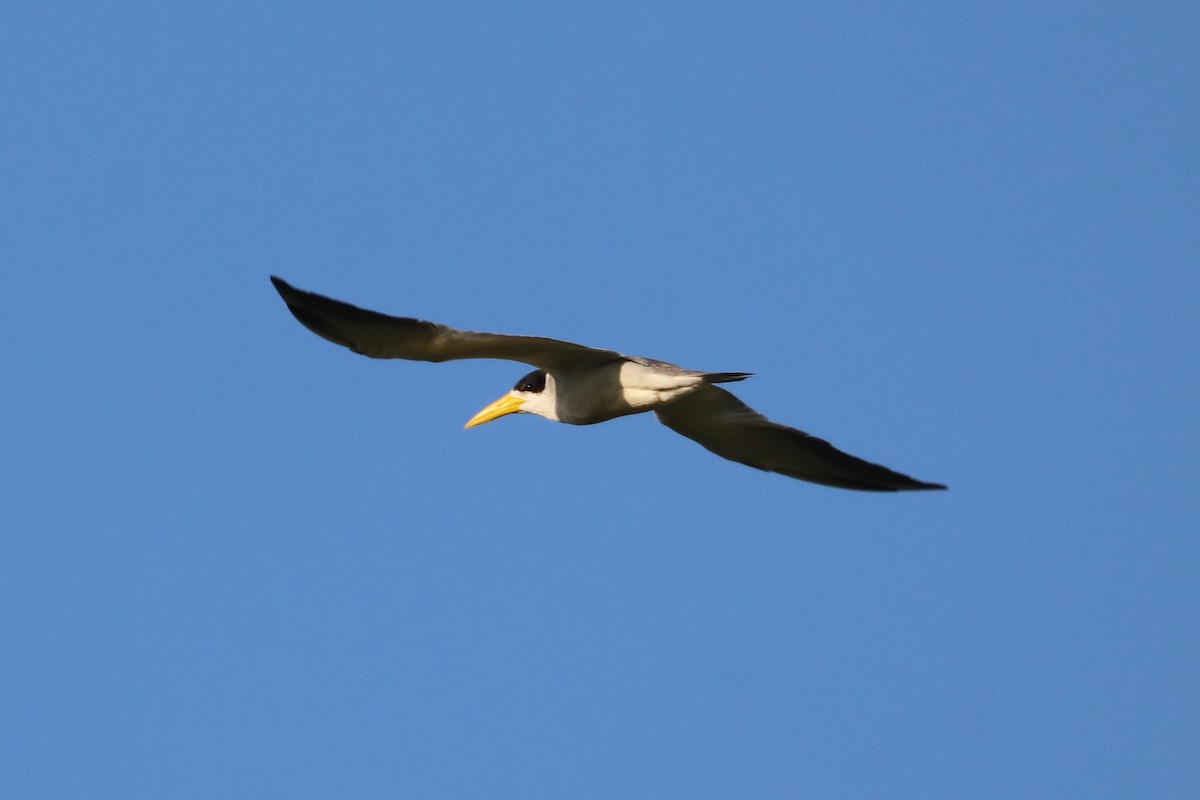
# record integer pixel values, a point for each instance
(960, 239)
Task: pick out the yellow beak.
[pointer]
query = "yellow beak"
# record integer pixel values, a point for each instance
(505, 405)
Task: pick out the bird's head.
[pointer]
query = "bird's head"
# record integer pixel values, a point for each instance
(533, 394)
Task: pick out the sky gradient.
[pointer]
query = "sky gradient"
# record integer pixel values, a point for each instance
(959, 240)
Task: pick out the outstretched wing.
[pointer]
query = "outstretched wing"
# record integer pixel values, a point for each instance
(381, 336)
(731, 429)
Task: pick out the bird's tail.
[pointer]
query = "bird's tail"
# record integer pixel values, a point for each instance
(726, 377)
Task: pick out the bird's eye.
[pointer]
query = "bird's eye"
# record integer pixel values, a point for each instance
(533, 383)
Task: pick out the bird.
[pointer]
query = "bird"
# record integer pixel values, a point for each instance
(580, 385)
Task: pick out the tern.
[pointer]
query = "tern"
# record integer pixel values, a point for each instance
(582, 385)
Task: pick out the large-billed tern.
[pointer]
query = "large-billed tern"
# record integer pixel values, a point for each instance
(582, 385)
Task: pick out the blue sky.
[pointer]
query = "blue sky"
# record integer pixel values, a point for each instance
(957, 239)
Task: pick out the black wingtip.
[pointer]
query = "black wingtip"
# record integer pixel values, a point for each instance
(282, 286)
(296, 301)
(903, 483)
(290, 295)
(894, 483)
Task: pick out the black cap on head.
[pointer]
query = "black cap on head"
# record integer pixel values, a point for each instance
(533, 383)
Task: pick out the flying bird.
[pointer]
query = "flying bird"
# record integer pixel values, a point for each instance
(582, 385)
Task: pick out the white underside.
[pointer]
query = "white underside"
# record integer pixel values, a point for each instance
(608, 391)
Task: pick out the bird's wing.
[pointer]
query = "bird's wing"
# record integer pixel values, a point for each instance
(731, 429)
(381, 336)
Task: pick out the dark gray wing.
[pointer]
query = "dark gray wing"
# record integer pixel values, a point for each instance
(381, 336)
(731, 429)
